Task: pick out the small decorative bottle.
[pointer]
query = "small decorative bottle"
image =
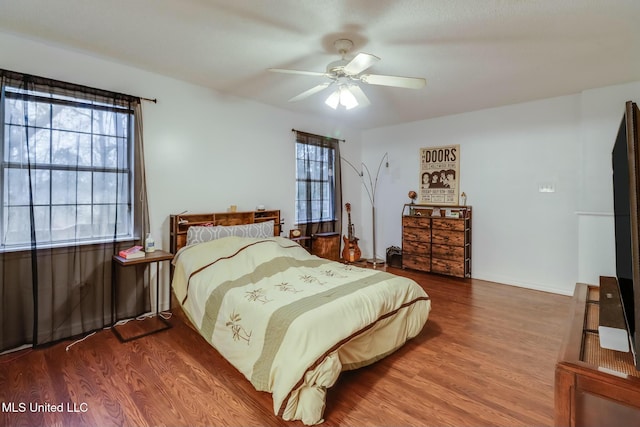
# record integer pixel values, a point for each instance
(149, 244)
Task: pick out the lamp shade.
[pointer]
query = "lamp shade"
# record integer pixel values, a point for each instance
(333, 100)
(343, 96)
(347, 99)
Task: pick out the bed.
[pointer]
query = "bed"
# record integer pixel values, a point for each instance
(289, 321)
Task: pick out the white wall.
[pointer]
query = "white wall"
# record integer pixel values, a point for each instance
(218, 151)
(204, 150)
(545, 241)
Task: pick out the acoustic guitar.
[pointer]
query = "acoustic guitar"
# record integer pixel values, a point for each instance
(351, 251)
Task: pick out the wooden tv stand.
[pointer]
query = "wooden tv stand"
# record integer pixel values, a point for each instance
(593, 386)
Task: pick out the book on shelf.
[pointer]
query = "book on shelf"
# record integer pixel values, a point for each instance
(132, 252)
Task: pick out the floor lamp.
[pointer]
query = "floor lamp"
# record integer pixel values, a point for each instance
(371, 192)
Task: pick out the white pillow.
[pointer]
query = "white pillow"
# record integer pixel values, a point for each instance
(198, 234)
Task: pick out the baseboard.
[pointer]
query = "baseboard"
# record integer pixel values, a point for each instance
(527, 285)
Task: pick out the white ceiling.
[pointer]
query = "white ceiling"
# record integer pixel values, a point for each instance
(474, 53)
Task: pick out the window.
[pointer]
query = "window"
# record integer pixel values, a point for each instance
(315, 179)
(75, 155)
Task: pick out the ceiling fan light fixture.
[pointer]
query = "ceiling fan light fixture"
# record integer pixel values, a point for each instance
(342, 96)
(334, 99)
(346, 74)
(347, 99)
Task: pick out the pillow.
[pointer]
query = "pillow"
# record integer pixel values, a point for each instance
(200, 234)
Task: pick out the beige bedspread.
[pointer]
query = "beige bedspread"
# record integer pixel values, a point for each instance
(290, 321)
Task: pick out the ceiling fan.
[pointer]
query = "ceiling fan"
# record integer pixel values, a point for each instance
(345, 74)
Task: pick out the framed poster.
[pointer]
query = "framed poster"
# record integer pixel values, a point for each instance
(439, 175)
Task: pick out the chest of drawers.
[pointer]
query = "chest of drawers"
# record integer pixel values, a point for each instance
(437, 244)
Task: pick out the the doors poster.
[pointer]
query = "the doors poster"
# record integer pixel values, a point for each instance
(439, 175)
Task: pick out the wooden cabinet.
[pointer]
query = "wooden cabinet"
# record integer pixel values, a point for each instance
(438, 244)
(180, 223)
(594, 386)
(326, 245)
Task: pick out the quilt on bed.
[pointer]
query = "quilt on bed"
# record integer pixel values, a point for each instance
(290, 321)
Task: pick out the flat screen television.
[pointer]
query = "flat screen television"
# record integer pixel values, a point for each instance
(626, 196)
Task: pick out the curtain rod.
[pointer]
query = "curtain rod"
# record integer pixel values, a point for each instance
(61, 83)
(341, 140)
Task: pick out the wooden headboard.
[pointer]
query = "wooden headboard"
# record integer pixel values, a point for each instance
(180, 223)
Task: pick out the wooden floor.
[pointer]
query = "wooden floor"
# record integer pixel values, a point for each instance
(485, 358)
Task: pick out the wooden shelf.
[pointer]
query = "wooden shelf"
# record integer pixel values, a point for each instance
(155, 256)
(180, 223)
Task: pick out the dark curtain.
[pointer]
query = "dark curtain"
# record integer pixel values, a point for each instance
(74, 194)
(319, 184)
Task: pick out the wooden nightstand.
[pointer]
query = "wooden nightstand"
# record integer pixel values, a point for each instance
(154, 257)
(326, 245)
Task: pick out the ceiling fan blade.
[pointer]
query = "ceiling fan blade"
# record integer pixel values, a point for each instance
(308, 93)
(395, 81)
(358, 93)
(361, 62)
(304, 73)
